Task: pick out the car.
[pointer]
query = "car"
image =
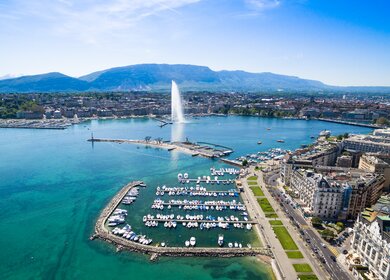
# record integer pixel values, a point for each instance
(333, 258)
(323, 245)
(308, 240)
(345, 252)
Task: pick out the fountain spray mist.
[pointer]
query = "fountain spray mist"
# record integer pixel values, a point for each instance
(176, 106)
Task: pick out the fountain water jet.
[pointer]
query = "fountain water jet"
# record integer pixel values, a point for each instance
(176, 106)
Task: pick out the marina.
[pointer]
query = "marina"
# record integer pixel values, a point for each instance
(125, 238)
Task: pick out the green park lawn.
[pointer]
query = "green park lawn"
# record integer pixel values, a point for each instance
(252, 183)
(276, 223)
(252, 178)
(308, 277)
(294, 255)
(302, 267)
(265, 205)
(285, 238)
(257, 191)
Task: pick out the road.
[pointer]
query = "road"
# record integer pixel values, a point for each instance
(331, 266)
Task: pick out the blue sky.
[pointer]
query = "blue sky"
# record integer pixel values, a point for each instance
(338, 42)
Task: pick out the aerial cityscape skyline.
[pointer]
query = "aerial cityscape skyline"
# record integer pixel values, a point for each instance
(344, 44)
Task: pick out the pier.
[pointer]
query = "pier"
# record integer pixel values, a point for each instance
(193, 149)
(201, 221)
(211, 181)
(102, 232)
(351, 123)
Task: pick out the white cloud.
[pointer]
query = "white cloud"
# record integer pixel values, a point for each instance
(261, 5)
(90, 20)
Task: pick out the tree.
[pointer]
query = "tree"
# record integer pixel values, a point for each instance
(147, 139)
(340, 225)
(382, 121)
(316, 222)
(327, 234)
(244, 162)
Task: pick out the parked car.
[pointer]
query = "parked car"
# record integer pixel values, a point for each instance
(333, 258)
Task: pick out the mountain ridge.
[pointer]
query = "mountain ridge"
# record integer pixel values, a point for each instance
(157, 77)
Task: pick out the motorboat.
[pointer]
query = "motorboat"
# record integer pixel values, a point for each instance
(220, 240)
(192, 241)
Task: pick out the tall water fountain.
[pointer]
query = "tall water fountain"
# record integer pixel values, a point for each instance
(176, 106)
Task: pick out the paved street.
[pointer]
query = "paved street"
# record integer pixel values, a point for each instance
(331, 266)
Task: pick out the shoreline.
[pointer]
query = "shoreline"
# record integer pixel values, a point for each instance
(64, 123)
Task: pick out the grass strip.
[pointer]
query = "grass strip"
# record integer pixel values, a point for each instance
(265, 205)
(276, 223)
(257, 191)
(302, 267)
(294, 255)
(285, 238)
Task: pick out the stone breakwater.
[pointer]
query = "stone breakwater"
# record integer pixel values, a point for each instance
(104, 233)
(186, 147)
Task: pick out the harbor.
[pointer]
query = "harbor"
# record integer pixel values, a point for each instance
(122, 237)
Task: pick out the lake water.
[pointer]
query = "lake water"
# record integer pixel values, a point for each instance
(53, 185)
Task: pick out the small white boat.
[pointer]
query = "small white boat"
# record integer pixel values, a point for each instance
(220, 240)
(187, 243)
(230, 245)
(192, 241)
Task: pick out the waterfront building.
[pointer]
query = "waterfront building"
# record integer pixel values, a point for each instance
(336, 193)
(322, 153)
(374, 163)
(368, 143)
(385, 132)
(370, 258)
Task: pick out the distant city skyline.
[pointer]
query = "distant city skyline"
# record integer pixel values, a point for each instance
(343, 44)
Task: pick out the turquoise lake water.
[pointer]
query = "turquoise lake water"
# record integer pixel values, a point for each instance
(53, 185)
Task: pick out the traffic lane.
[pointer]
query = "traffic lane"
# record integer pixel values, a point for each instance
(331, 266)
(326, 254)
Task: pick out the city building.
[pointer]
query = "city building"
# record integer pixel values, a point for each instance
(373, 163)
(368, 143)
(370, 258)
(344, 161)
(336, 193)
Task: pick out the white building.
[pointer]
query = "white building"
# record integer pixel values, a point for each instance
(371, 246)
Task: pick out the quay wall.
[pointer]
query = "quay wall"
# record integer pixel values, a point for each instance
(165, 145)
(105, 234)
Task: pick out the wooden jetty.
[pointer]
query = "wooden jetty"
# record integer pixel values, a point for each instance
(102, 232)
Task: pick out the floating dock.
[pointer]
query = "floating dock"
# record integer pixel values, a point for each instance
(102, 232)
